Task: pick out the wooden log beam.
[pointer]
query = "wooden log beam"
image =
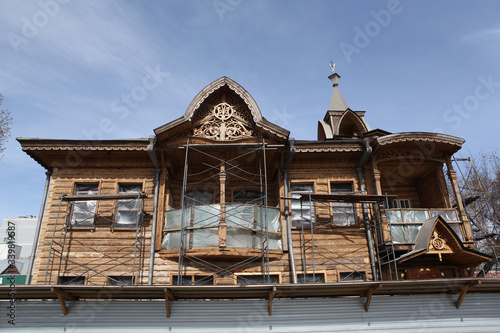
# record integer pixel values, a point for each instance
(272, 293)
(463, 292)
(62, 296)
(369, 295)
(169, 296)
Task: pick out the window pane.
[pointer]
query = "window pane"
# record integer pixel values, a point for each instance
(311, 278)
(198, 197)
(186, 280)
(412, 232)
(257, 279)
(394, 216)
(342, 213)
(398, 234)
(120, 280)
(84, 211)
(72, 280)
(128, 211)
(352, 276)
(248, 197)
(301, 211)
(203, 280)
(447, 215)
(415, 215)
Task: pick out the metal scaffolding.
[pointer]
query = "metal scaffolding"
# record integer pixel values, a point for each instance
(353, 270)
(209, 166)
(60, 261)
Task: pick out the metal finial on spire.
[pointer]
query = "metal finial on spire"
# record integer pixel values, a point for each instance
(332, 66)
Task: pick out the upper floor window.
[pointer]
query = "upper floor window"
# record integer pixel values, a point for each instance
(398, 203)
(128, 211)
(342, 212)
(247, 197)
(302, 210)
(198, 197)
(83, 213)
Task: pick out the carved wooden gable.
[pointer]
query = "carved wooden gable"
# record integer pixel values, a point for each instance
(223, 118)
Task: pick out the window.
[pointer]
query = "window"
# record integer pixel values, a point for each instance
(302, 210)
(244, 279)
(128, 212)
(71, 280)
(399, 203)
(120, 280)
(198, 197)
(193, 280)
(248, 197)
(352, 276)
(84, 211)
(311, 278)
(342, 212)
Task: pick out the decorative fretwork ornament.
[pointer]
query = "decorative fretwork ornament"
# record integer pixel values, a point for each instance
(222, 122)
(438, 241)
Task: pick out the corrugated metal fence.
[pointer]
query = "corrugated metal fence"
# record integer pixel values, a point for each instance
(478, 313)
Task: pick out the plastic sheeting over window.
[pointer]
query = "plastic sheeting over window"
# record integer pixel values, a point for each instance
(302, 211)
(245, 227)
(402, 221)
(84, 211)
(128, 211)
(342, 212)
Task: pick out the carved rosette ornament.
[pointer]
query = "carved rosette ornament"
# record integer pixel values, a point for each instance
(438, 242)
(222, 122)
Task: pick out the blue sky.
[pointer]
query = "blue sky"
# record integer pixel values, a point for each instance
(67, 67)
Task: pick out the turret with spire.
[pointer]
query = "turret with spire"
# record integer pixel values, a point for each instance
(340, 121)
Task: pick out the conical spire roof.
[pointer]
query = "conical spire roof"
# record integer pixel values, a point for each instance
(337, 102)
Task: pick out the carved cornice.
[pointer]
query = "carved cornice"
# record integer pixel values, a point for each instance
(420, 137)
(328, 149)
(268, 129)
(85, 148)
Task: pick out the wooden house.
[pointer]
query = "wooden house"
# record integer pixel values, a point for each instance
(236, 226)
(221, 196)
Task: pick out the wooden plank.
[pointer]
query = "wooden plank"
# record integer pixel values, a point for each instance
(168, 297)
(370, 294)
(463, 292)
(272, 292)
(60, 296)
(113, 196)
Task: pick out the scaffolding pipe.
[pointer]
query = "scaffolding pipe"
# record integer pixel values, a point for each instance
(367, 151)
(152, 155)
(291, 258)
(39, 224)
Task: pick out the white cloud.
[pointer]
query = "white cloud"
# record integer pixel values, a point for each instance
(483, 35)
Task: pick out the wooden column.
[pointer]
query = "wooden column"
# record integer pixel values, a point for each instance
(452, 176)
(376, 179)
(222, 224)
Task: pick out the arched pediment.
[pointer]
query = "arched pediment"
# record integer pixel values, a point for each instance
(209, 90)
(222, 116)
(222, 111)
(351, 124)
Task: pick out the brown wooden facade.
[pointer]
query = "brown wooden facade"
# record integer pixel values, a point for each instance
(225, 197)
